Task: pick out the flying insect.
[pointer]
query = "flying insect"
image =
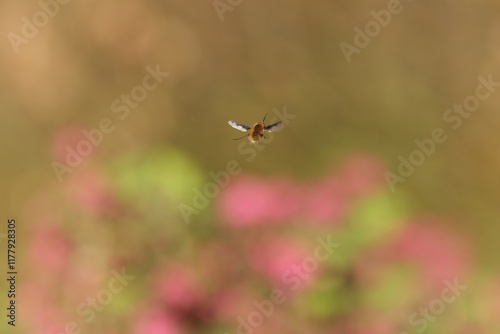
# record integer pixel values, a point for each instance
(256, 131)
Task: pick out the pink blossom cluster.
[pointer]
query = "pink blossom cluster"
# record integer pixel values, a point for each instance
(251, 201)
(263, 230)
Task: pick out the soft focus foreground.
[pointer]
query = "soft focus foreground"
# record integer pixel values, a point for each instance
(373, 210)
(109, 253)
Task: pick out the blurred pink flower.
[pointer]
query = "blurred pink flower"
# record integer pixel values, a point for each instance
(438, 254)
(178, 287)
(251, 201)
(274, 258)
(155, 322)
(325, 203)
(90, 191)
(49, 249)
(285, 200)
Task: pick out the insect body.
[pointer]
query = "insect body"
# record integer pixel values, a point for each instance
(256, 131)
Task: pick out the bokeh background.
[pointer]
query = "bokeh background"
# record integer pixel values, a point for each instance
(322, 176)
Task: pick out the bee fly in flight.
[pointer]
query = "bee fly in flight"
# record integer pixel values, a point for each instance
(256, 131)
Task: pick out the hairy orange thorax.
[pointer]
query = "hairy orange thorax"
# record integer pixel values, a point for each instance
(256, 132)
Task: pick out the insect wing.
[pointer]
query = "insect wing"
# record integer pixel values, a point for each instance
(238, 126)
(273, 127)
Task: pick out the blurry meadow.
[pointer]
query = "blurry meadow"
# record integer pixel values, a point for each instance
(373, 210)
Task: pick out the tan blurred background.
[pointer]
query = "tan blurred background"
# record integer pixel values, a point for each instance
(262, 55)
